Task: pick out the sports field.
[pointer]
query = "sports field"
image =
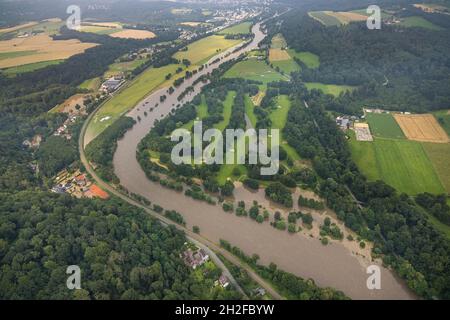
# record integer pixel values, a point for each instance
(421, 127)
(202, 50)
(279, 117)
(310, 59)
(402, 164)
(249, 106)
(332, 89)
(383, 125)
(202, 112)
(149, 81)
(253, 69)
(242, 28)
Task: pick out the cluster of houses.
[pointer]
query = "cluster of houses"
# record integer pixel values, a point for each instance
(64, 129)
(77, 184)
(195, 257)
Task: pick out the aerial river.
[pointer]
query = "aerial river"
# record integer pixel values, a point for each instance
(338, 265)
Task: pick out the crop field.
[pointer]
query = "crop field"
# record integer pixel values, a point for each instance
(44, 48)
(443, 117)
(278, 55)
(402, 164)
(253, 69)
(419, 22)
(278, 42)
(310, 59)
(383, 125)
(133, 34)
(18, 27)
(202, 50)
(324, 18)
(421, 127)
(242, 28)
(13, 71)
(332, 89)
(149, 81)
(347, 17)
(439, 155)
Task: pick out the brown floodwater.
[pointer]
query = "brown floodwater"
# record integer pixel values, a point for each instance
(337, 265)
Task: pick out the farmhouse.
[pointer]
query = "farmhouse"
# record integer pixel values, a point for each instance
(194, 259)
(112, 84)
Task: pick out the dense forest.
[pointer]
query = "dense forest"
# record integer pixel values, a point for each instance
(395, 68)
(396, 224)
(121, 251)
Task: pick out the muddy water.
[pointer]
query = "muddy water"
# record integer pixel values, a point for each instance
(335, 265)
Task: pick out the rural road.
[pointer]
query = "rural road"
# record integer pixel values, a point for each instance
(211, 247)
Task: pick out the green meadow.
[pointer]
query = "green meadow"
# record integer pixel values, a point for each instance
(325, 18)
(128, 97)
(253, 69)
(439, 155)
(383, 125)
(332, 89)
(403, 164)
(418, 22)
(443, 117)
(13, 71)
(204, 49)
(242, 28)
(310, 59)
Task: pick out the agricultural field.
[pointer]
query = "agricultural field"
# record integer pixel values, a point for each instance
(332, 89)
(242, 28)
(253, 69)
(347, 17)
(421, 127)
(147, 82)
(279, 56)
(443, 117)
(13, 71)
(310, 59)
(202, 50)
(18, 27)
(44, 48)
(419, 22)
(402, 164)
(383, 125)
(324, 18)
(439, 155)
(278, 42)
(133, 34)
